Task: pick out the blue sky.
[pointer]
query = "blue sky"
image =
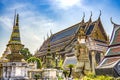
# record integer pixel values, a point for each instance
(38, 17)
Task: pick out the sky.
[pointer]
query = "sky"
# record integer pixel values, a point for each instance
(39, 17)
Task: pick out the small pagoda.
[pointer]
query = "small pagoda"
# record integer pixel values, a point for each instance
(110, 65)
(49, 59)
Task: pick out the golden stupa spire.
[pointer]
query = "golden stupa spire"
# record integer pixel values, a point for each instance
(15, 43)
(14, 19)
(17, 20)
(15, 36)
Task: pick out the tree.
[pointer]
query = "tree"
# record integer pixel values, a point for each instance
(26, 53)
(34, 59)
(36, 76)
(65, 72)
(60, 63)
(70, 66)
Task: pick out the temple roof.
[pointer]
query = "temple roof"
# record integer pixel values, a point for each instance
(114, 48)
(65, 33)
(109, 62)
(60, 40)
(116, 36)
(89, 30)
(113, 51)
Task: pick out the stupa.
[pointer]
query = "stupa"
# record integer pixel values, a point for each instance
(15, 67)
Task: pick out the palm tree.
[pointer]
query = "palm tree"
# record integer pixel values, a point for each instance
(65, 72)
(70, 66)
(34, 59)
(36, 76)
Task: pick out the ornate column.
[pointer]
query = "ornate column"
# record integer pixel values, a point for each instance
(93, 61)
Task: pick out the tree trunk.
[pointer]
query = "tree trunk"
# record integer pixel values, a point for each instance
(65, 75)
(70, 72)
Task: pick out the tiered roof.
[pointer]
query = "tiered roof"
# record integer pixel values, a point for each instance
(114, 49)
(113, 54)
(67, 37)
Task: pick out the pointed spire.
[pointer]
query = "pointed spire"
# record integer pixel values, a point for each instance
(83, 17)
(99, 15)
(15, 36)
(17, 20)
(14, 19)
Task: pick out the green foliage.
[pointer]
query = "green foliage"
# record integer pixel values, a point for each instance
(60, 78)
(65, 72)
(26, 53)
(52, 63)
(34, 59)
(70, 66)
(36, 76)
(60, 64)
(91, 76)
(76, 79)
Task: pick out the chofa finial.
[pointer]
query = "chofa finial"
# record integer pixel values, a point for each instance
(91, 14)
(83, 17)
(90, 20)
(50, 32)
(100, 14)
(113, 22)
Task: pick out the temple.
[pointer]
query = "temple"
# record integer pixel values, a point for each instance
(85, 43)
(13, 65)
(110, 65)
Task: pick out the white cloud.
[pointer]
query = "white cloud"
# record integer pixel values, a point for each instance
(66, 4)
(33, 26)
(6, 22)
(34, 31)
